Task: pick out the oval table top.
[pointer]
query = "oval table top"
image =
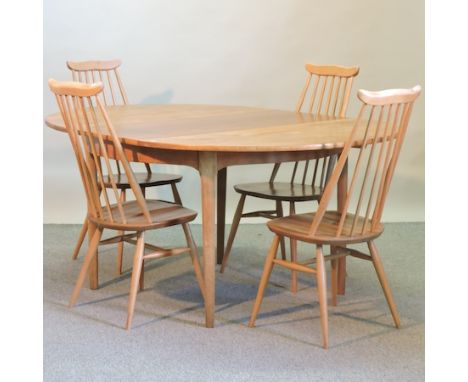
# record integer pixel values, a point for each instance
(222, 128)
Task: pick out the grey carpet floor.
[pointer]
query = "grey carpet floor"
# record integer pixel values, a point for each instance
(168, 341)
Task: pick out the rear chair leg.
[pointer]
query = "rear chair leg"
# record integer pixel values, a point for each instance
(194, 256)
(334, 281)
(383, 281)
(176, 194)
(232, 233)
(93, 245)
(279, 213)
(264, 279)
(120, 246)
(141, 284)
(141, 281)
(81, 237)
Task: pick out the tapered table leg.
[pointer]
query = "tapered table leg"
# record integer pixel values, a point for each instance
(221, 214)
(208, 174)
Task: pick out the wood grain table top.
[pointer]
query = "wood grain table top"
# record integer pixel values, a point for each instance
(222, 128)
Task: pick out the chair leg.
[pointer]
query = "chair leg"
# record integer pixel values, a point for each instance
(81, 237)
(137, 265)
(232, 233)
(383, 281)
(141, 281)
(264, 279)
(93, 245)
(176, 194)
(279, 213)
(194, 256)
(293, 248)
(334, 281)
(322, 294)
(120, 246)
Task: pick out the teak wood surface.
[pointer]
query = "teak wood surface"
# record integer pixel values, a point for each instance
(210, 138)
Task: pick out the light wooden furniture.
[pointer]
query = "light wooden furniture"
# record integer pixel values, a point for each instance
(93, 139)
(385, 115)
(114, 93)
(210, 138)
(327, 88)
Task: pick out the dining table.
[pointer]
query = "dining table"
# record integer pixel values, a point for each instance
(210, 138)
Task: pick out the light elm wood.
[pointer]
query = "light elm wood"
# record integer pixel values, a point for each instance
(232, 233)
(330, 89)
(384, 282)
(386, 115)
(327, 88)
(279, 213)
(294, 266)
(120, 248)
(136, 272)
(107, 208)
(226, 129)
(322, 294)
(177, 134)
(141, 281)
(264, 279)
(334, 281)
(81, 237)
(107, 72)
(195, 262)
(93, 264)
(342, 190)
(92, 251)
(113, 90)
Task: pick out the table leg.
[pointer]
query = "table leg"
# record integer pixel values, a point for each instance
(93, 267)
(341, 194)
(221, 214)
(208, 175)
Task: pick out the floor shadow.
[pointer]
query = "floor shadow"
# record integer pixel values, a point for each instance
(174, 316)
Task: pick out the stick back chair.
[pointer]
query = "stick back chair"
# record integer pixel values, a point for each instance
(95, 144)
(327, 88)
(377, 136)
(114, 94)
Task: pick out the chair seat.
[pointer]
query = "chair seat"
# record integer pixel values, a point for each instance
(163, 214)
(280, 191)
(298, 226)
(143, 179)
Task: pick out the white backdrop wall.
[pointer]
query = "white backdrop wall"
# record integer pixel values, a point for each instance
(239, 52)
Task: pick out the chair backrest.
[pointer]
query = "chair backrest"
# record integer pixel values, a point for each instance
(94, 142)
(328, 88)
(377, 135)
(329, 93)
(105, 71)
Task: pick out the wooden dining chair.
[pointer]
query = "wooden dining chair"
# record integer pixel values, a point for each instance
(378, 135)
(95, 144)
(114, 94)
(327, 89)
